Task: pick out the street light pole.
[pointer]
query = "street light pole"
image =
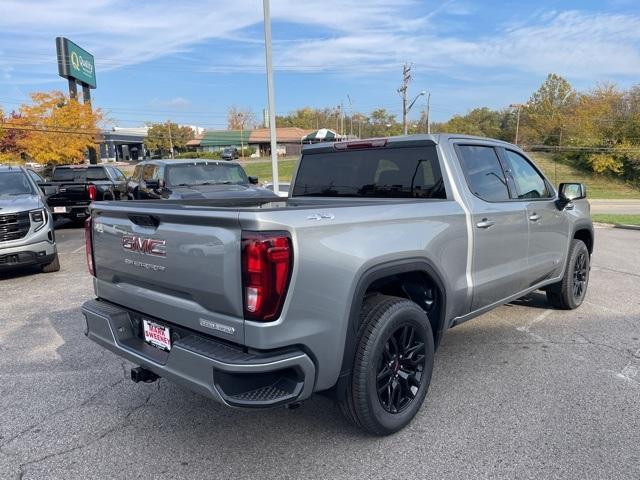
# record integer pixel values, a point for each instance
(271, 103)
(428, 107)
(519, 107)
(408, 109)
(170, 137)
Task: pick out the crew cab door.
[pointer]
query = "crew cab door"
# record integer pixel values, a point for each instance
(500, 231)
(548, 226)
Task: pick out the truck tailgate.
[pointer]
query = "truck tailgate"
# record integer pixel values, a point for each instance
(180, 265)
(69, 194)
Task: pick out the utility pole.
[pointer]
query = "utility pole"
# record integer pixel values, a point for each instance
(271, 96)
(342, 118)
(170, 137)
(350, 116)
(518, 106)
(428, 107)
(406, 78)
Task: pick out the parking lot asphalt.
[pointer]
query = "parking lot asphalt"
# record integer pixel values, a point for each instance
(521, 392)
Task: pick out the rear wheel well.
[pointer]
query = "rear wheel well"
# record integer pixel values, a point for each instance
(586, 237)
(420, 288)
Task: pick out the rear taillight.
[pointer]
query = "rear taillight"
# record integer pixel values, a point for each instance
(92, 192)
(267, 260)
(88, 246)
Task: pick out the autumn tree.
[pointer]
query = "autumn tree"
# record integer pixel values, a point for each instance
(167, 138)
(240, 119)
(10, 135)
(57, 129)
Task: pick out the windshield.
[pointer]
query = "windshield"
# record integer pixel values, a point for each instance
(401, 172)
(15, 183)
(190, 174)
(79, 175)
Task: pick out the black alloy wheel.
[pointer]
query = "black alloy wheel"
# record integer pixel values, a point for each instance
(580, 276)
(570, 292)
(400, 369)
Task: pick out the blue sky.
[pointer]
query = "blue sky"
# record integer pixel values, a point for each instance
(189, 61)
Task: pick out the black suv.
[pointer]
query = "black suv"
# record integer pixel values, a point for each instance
(230, 153)
(192, 179)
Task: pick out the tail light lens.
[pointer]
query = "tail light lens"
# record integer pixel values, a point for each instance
(88, 246)
(92, 192)
(267, 260)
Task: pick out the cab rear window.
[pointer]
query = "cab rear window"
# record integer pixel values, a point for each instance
(409, 172)
(79, 175)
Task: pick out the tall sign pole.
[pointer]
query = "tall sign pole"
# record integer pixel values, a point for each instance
(270, 96)
(78, 67)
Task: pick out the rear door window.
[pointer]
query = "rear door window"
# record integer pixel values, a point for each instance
(483, 172)
(401, 172)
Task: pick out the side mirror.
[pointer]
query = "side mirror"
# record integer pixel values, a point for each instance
(253, 180)
(569, 192)
(49, 190)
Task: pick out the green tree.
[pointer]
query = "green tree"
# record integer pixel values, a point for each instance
(548, 110)
(482, 122)
(162, 137)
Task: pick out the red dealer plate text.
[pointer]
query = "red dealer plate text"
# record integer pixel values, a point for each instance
(157, 335)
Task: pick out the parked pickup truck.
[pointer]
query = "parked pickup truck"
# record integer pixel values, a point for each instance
(348, 285)
(78, 185)
(189, 179)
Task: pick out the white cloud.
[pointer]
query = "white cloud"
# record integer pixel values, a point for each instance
(349, 36)
(177, 103)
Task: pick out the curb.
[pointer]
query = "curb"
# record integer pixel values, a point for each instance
(627, 227)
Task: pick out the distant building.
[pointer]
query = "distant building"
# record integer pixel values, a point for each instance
(288, 140)
(123, 144)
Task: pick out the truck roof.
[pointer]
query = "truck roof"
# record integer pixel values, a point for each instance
(169, 161)
(421, 138)
(10, 168)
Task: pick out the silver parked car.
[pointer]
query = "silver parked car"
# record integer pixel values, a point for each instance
(26, 224)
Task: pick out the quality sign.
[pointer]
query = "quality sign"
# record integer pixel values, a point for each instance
(75, 62)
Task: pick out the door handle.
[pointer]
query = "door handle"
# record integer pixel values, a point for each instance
(534, 217)
(485, 223)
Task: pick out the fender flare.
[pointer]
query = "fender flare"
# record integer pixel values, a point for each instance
(364, 281)
(584, 224)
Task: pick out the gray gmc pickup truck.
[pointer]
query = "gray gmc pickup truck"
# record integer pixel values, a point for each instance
(344, 287)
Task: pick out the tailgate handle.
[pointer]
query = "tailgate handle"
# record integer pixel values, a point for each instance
(145, 220)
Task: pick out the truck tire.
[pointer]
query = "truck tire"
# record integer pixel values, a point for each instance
(392, 366)
(54, 266)
(569, 293)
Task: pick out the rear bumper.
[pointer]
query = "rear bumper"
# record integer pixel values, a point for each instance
(72, 211)
(224, 372)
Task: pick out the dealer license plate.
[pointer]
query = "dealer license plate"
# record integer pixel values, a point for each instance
(157, 335)
(59, 209)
